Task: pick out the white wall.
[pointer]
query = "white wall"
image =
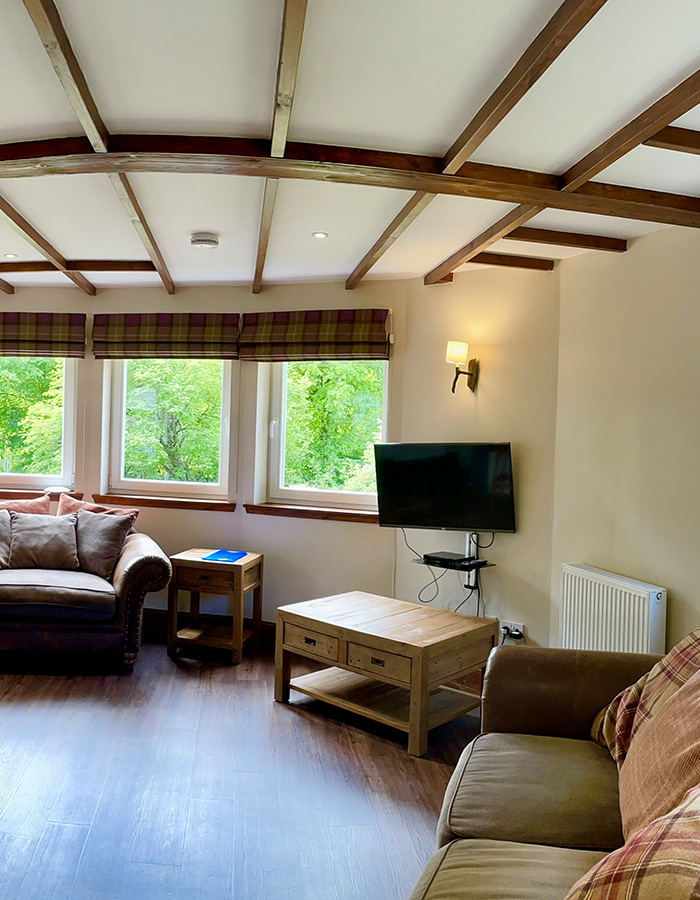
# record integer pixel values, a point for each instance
(511, 320)
(627, 483)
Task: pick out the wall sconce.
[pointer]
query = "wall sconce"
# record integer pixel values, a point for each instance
(458, 355)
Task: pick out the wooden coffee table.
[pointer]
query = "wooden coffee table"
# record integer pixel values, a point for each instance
(387, 659)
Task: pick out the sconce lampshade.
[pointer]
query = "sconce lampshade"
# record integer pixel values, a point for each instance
(457, 353)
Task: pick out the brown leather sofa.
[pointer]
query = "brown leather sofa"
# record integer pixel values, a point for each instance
(72, 613)
(533, 802)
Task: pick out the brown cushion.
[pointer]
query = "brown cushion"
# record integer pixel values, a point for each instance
(502, 870)
(54, 593)
(100, 541)
(533, 789)
(616, 725)
(663, 761)
(659, 862)
(67, 505)
(5, 538)
(44, 542)
(39, 505)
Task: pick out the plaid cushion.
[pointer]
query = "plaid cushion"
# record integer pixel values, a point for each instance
(659, 862)
(165, 335)
(42, 334)
(315, 334)
(616, 725)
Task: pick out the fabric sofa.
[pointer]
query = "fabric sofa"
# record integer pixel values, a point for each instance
(70, 611)
(533, 803)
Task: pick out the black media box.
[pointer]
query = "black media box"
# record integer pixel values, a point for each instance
(446, 560)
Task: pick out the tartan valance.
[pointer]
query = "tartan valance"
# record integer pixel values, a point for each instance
(315, 334)
(42, 334)
(166, 335)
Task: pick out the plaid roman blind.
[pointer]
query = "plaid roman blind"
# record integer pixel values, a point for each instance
(42, 334)
(165, 335)
(315, 334)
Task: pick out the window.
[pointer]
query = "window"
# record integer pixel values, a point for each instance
(326, 416)
(37, 421)
(170, 426)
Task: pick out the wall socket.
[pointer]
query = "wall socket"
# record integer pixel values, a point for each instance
(513, 627)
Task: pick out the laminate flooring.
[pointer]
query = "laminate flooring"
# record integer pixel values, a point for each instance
(186, 781)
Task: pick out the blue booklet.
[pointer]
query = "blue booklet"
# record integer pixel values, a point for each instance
(226, 555)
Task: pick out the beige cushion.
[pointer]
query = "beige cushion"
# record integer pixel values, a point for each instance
(5, 538)
(659, 862)
(54, 593)
(67, 505)
(100, 541)
(44, 542)
(501, 870)
(663, 761)
(533, 789)
(40, 505)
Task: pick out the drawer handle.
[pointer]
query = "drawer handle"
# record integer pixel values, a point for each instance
(376, 661)
(310, 641)
(204, 578)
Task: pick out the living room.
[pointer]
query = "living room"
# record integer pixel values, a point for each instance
(587, 367)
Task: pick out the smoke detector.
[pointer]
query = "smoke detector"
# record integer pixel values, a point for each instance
(205, 240)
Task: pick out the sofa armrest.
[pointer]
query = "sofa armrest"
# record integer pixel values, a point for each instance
(142, 567)
(538, 690)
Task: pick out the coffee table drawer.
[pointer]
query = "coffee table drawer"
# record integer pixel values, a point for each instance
(311, 642)
(377, 662)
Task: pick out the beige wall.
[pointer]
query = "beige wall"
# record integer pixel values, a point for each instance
(627, 477)
(511, 320)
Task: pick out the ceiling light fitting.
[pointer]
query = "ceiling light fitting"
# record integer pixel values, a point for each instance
(10, 256)
(458, 355)
(319, 234)
(204, 240)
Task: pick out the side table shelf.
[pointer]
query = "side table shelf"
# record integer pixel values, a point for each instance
(235, 579)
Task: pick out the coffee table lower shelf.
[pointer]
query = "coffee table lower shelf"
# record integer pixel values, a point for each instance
(380, 701)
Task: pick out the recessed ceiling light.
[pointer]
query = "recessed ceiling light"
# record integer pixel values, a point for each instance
(319, 234)
(10, 256)
(204, 240)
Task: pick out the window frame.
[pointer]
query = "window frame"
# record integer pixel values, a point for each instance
(66, 477)
(222, 490)
(310, 496)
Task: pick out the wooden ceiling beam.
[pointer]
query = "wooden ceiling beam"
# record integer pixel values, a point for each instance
(568, 239)
(513, 262)
(18, 223)
(556, 35)
(683, 97)
(50, 29)
(6, 287)
(673, 138)
(81, 265)
(287, 67)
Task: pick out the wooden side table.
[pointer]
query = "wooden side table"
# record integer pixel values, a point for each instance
(194, 574)
(392, 661)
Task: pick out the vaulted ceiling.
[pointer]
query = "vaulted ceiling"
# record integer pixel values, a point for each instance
(419, 136)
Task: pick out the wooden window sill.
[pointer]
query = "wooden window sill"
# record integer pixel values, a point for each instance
(14, 494)
(164, 502)
(328, 513)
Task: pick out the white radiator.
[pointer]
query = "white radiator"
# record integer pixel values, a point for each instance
(604, 611)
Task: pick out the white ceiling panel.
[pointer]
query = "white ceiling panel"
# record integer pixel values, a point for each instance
(40, 279)
(11, 242)
(352, 215)
(79, 214)
(445, 226)
(177, 205)
(168, 65)
(660, 170)
(544, 251)
(33, 103)
(629, 55)
(123, 279)
(609, 226)
(405, 74)
(690, 120)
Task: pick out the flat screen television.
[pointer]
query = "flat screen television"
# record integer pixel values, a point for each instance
(451, 487)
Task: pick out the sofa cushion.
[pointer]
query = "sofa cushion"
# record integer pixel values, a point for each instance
(67, 505)
(5, 538)
(100, 541)
(43, 542)
(533, 789)
(663, 761)
(659, 862)
(616, 725)
(55, 594)
(502, 870)
(39, 505)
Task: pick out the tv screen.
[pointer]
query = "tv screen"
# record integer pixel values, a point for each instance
(455, 487)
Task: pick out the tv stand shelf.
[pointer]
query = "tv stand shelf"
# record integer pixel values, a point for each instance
(459, 567)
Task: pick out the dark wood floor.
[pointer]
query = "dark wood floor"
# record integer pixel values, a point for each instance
(187, 781)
